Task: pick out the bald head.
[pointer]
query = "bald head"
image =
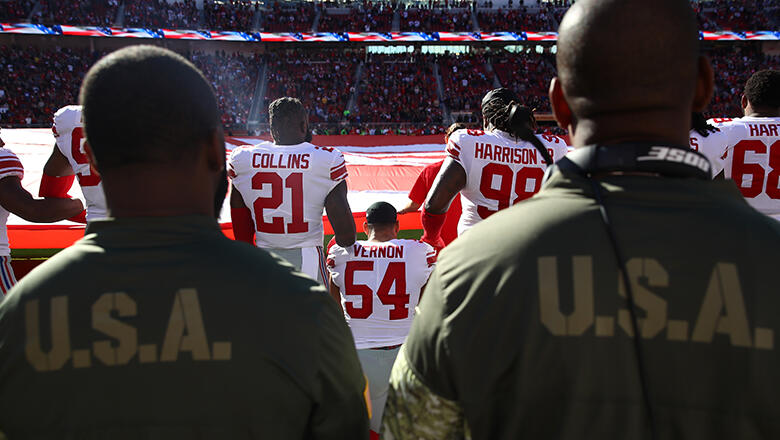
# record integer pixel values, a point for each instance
(627, 55)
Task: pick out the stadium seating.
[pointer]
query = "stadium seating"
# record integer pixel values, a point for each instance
(39, 81)
(733, 66)
(16, 10)
(229, 16)
(465, 80)
(369, 18)
(233, 77)
(78, 12)
(398, 88)
(515, 20)
(528, 74)
(36, 82)
(741, 15)
(440, 20)
(299, 18)
(323, 80)
(161, 14)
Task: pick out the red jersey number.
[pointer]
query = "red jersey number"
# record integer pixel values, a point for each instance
(394, 279)
(757, 173)
(90, 178)
(503, 193)
(276, 225)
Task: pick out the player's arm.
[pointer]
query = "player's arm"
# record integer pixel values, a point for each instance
(335, 292)
(16, 199)
(57, 179)
(57, 176)
(340, 215)
(412, 206)
(450, 180)
(241, 216)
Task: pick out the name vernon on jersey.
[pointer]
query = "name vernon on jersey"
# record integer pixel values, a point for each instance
(281, 160)
(368, 251)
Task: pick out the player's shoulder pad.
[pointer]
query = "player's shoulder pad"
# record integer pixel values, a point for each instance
(67, 117)
(5, 154)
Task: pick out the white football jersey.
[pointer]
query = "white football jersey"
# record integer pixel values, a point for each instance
(380, 285)
(10, 165)
(752, 160)
(500, 170)
(69, 134)
(713, 146)
(285, 186)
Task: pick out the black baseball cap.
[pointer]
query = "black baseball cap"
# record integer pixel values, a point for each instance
(504, 94)
(381, 213)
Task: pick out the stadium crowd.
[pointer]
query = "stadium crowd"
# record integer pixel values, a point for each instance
(398, 88)
(519, 19)
(297, 18)
(233, 77)
(322, 79)
(464, 79)
(732, 67)
(440, 20)
(161, 14)
(529, 75)
(16, 10)
(78, 12)
(235, 15)
(364, 18)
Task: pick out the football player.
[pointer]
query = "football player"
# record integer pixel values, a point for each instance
(280, 190)
(492, 168)
(423, 185)
(14, 198)
(378, 284)
(68, 158)
(752, 155)
(708, 140)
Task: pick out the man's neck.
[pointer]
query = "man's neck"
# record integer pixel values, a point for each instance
(380, 238)
(140, 192)
(619, 128)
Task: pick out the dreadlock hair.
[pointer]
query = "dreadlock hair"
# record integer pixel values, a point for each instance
(515, 119)
(699, 124)
(284, 111)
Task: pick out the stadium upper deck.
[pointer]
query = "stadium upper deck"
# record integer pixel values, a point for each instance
(351, 16)
(348, 88)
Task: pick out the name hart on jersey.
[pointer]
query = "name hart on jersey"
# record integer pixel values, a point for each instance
(385, 251)
(281, 160)
(758, 130)
(497, 153)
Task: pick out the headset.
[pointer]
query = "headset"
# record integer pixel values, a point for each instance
(652, 158)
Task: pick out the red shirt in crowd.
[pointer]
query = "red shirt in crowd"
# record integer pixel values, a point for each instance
(420, 190)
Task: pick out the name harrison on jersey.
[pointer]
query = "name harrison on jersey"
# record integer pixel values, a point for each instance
(524, 156)
(281, 160)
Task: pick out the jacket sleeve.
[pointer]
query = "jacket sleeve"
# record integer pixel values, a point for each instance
(340, 409)
(413, 411)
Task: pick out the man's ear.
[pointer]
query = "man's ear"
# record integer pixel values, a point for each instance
(744, 102)
(91, 158)
(705, 86)
(365, 227)
(560, 107)
(397, 228)
(215, 150)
